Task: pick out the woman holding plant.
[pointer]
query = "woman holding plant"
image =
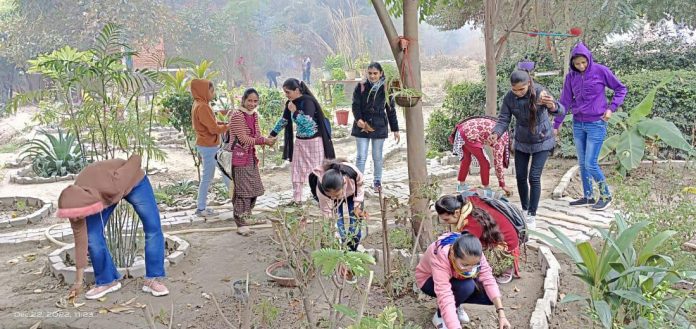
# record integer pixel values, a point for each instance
(454, 270)
(584, 94)
(373, 110)
(89, 202)
(245, 134)
(531, 105)
(468, 212)
(313, 141)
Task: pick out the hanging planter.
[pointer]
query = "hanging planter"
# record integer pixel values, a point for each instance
(407, 101)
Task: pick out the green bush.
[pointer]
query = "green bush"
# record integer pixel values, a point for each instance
(463, 100)
(669, 53)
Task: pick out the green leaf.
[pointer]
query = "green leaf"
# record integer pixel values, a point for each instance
(609, 146)
(649, 249)
(343, 309)
(632, 296)
(645, 107)
(589, 258)
(569, 298)
(569, 246)
(661, 129)
(630, 148)
(604, 312)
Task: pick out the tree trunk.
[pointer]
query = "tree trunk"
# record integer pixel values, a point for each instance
(491, 78)
(415, 143)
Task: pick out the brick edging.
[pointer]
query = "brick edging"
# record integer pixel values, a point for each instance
(35, 217)
(541, 316)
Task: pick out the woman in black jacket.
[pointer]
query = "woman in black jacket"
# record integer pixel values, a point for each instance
(531, 105)
(372, 111)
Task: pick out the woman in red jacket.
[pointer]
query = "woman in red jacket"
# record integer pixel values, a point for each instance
(497, 234)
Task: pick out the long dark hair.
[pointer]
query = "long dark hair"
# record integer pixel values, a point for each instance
(519, 76)
(467, 245)
(490, 235)
(334, 170)
(376, 66)
(294, 84)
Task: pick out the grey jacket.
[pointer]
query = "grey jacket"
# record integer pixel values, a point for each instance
(525, 141)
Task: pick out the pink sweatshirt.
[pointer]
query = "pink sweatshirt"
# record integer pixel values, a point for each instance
(439, 268)
(350, 188)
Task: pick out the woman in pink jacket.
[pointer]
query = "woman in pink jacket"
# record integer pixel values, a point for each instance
(454, 270)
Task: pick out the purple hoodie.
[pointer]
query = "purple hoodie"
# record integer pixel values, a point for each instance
(583, 93)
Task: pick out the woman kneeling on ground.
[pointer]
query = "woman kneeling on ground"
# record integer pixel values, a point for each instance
(497, 234)
(453, 269)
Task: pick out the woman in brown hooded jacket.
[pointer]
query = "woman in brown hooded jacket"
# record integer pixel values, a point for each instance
(89, 202)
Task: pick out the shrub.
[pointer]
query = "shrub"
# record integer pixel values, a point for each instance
(59, 156)
(627, 284)
(669, 53)
(463, 100)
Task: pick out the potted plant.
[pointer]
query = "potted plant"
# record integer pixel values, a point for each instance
(404, 97)
(361, 64)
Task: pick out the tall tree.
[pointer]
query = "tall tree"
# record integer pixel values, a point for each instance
(406, 53)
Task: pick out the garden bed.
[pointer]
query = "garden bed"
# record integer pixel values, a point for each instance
(20, 211)
(27, 176)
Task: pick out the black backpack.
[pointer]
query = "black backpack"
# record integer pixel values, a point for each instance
(509, 210)
(344, 170)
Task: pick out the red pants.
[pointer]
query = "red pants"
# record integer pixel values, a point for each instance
(466, 162)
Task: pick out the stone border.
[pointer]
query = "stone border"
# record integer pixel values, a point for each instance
(35, 217)
(559, 190)
(18, 178)
(56, 261)
(544, 306)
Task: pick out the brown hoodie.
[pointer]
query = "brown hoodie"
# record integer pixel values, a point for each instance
(98, 186)
(202, 117)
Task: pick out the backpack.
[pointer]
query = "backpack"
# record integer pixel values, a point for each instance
(511, 211)
(314, 180)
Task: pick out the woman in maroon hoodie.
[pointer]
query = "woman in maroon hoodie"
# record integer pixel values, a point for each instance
(584, 95)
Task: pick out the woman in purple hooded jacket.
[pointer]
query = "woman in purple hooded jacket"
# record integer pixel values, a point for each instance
(584, 95)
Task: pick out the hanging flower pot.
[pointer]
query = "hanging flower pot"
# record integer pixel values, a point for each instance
(407, 101)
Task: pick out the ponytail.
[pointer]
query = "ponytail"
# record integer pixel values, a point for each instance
(294, 84)
(524, 76)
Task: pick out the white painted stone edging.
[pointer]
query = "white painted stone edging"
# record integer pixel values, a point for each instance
(56, 261)
(544, 306)
(559, 191)
(35, 217)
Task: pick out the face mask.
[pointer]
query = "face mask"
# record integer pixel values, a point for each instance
(461, 274)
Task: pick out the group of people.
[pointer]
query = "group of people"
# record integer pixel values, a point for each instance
(457, 268)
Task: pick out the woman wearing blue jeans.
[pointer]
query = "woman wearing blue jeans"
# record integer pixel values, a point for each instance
(372, 112)
(584, 94)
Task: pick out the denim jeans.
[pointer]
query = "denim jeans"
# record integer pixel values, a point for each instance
(589, 137)
(142, 198)
(209, 164)
(465, 292)
(353, 233)
(377, 156)
(529, 178)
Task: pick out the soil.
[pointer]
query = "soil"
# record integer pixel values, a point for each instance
(11, 212)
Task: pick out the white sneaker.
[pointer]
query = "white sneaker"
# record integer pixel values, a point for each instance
(205, 213)
(531, 222)
(461, 314)
(438, 322)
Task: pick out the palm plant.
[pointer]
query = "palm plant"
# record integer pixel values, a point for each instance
(58, 156)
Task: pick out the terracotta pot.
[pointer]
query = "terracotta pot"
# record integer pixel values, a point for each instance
(342, 117)
(282, 281)
(405, 101)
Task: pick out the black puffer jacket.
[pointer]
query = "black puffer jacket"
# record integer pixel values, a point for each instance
(373, 109)
(519, 107)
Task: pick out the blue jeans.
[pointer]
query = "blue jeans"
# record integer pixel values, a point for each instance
(464, 291)
(209, 164)
(353, 233)
(377, 156)
(589, 137)
(142, 198)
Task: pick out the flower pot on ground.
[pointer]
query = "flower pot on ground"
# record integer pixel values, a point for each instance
(281, 273)
(342, 117)
(350, 74)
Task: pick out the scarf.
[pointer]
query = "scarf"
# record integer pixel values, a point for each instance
(464, 213)
(377, 85)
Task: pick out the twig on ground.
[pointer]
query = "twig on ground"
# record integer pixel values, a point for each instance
(229, 324)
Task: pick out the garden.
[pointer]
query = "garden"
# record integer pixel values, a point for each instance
(88, 98)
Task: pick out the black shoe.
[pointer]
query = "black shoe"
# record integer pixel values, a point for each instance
(582, 202)
(602, 204)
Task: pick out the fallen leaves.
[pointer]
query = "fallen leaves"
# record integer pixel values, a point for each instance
(128, 307)
(206, 296)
